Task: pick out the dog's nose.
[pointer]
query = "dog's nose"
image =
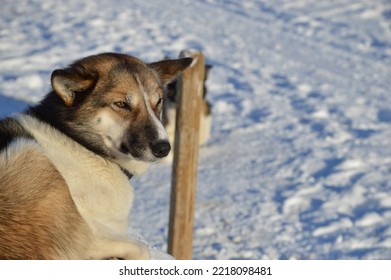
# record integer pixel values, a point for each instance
(160, 148)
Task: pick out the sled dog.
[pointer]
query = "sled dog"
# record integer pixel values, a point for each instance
(65, 163)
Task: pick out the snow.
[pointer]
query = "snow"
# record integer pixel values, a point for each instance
(299, 161)
(333, 227)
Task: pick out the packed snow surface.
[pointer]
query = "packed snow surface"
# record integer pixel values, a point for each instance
(298, 165)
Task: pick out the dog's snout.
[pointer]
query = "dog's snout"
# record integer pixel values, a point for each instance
(160, 148)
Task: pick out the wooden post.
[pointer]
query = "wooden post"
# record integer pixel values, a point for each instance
(184, 177)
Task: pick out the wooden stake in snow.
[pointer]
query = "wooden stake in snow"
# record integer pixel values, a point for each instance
(184, 178)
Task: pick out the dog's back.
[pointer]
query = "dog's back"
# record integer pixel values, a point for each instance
(38, 218)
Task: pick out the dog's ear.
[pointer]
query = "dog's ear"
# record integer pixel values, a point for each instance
(168, 69)
(70, 81)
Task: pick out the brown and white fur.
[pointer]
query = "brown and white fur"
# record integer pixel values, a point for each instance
(65, 163)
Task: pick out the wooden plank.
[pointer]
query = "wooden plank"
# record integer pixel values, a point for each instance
(185, 164)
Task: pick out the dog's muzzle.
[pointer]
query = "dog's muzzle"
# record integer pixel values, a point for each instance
(160, 148)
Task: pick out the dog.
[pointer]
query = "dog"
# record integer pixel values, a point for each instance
(66, 162)
(170, 108)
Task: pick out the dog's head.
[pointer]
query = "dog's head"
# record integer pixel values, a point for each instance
(112, 103)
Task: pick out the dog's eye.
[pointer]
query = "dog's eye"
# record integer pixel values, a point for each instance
(160, 101)
(121, 105)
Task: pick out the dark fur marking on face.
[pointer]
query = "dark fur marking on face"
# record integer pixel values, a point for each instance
(135, 142)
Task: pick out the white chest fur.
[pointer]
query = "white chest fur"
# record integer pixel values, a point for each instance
(100, 190)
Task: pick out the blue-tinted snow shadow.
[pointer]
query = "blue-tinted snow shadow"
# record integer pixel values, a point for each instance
(384, 115)
(9, 106)
(282, 81)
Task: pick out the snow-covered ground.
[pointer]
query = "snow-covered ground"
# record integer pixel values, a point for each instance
(299, 162)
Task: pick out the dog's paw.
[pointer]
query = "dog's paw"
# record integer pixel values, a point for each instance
(119, 249)
(144, 252)
(139, 251)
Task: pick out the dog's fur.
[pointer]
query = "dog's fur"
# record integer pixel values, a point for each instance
(65, 163)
